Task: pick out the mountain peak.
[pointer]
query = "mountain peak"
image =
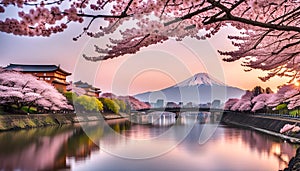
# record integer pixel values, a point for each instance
(200, 79)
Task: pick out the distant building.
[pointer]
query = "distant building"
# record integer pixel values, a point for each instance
(216, 104)
(180, 104)
(204, 105)
(189, 104)
(152, 104)
(172, 105)
(159, 103)
(90, 90)
(52, 74)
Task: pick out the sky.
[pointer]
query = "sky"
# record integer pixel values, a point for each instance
(153, 68)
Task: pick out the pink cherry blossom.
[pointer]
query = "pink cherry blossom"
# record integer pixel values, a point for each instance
(260, 101)
(26, 90)
(286, 128)
(134, 103)
(229, 103)
(268, 39)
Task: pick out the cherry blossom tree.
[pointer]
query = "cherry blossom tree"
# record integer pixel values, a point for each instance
(109, 95)
(25, 90)
(134, 103)
(244, 104)
(286, 94)
(292, 98)
(130, 101)
(260, 101)
(286, 128)
(229, 103)
(269, 38)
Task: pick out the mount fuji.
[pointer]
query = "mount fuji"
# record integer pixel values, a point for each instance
(200, 79)
(200, 88)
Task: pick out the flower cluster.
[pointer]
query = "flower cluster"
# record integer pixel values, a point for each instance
(269, 28)
(286, 94)
(25, 90)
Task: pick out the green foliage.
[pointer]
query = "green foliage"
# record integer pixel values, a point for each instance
(31, 110)
(110, 105)
(122, 105)
(71, 96)
(88, 103)
(281, 106)
(295, 112)
(98, 103)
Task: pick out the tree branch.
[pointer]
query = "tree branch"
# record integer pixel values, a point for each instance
(190, 15)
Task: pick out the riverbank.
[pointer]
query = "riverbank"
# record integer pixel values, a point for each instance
(14, 122)
(266, 124)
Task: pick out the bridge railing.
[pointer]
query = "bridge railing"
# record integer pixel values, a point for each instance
(181, 109)
(287, 116)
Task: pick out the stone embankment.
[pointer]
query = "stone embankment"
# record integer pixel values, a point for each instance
(14, 122)
(267, 124)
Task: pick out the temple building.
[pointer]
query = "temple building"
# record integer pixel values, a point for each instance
(52, 74)
(89, 89)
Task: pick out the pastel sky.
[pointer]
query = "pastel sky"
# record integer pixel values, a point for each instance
(153, 68)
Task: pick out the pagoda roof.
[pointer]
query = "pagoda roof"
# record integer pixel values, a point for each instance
(60, 82)
(81, 84)
(36, 68)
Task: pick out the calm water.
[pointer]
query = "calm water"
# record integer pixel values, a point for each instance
(69, 147)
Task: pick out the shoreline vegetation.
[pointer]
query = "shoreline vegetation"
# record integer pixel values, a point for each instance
(16, 122)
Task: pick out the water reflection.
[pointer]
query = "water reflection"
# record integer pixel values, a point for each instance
(64, 147)
(169, 118)
(43, 148)
(154, 118)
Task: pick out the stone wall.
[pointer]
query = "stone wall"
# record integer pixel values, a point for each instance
(11, 122)
(267, 124)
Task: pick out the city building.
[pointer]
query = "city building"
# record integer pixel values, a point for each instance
(159, 103)
(172, 105)
(216, 104)
(52, 74)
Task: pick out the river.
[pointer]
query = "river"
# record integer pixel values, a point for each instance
(166, 144)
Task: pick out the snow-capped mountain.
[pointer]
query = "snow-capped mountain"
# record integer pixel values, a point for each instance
(200, 88)
(199, 79)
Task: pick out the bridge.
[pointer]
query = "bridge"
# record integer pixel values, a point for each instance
(215, 114)
(181, 109)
